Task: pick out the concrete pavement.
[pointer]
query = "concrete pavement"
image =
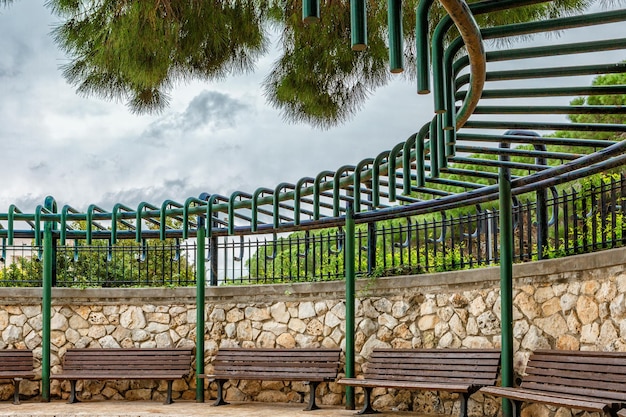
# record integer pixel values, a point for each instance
(179, 408)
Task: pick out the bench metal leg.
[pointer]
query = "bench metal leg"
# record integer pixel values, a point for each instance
(169, 400)
(516, 406)
(464, 398)
(312, 390)
(72, 398)
(16, 390)
(367, 404)
(220, 393)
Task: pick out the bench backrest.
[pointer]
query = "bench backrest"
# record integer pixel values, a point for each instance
(290, 364)
(592, 374)
(474, 367)
(127, 360)
(16, 360)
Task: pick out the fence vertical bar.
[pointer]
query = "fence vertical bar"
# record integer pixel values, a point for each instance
(506, 284)
(200, 281)
(350, 302)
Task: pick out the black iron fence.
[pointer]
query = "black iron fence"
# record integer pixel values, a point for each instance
(572, 221)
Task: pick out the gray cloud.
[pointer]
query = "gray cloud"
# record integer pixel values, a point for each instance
(215, 108)
(210, 109)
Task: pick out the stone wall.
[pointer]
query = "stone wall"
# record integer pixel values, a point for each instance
(571, 303)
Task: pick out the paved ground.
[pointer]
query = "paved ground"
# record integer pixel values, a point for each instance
(179, 408)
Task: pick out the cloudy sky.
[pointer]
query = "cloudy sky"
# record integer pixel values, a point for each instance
(214, 137)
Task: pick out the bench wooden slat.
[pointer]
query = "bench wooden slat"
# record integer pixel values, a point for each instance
(132, 363)
(416, 385)
(461, 371)
(604, 374)
(279, 370)
(521, 394)
(586, 380)
(580, 391)
(300, 364)
(16, 364)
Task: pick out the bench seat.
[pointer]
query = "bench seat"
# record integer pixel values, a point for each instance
(133, 363)
(461, 371)
(587, 380)
(312, 366)
(16, 365)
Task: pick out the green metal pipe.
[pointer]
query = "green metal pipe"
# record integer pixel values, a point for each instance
(310, 11)
(358, 24)
(337, 186)
(276, 202)
(376, 168)
(441, 142)
(232, 208)
(317, 188)
(63, 229)
(391, 174)
(420, 166)
(518, 152)
(10, 223)
(200, 297)
(186, 207)
(396, 36)
(211, 212)
(524, 74)
(553, 50)
(550, 109)
(138, 219)
(350, 302)
(437, 52)
(421, 45)
(298, 195)
(434, 149)
(506, 284)
(254, 224)
(163, 217)
(406, 163)
(114, 219)
(511, 125)
(549, 92)
(46, 302)
(569, 22)
(449, 82)
(356, 191)
(593, 143)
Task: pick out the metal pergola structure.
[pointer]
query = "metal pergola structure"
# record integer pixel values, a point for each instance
(459, 158)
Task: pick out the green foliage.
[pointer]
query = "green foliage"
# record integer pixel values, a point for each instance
(22, 272)
(136, 51)
(98, 266)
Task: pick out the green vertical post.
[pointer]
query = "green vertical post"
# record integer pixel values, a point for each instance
(506, 284)
(46, 311)
(46, 302)
(350, 296)
(200, 281)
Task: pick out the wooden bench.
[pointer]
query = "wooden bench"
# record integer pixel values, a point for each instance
(103, 364)
(17, 365)
(461, 371)
(591, 381)
(309, 365)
